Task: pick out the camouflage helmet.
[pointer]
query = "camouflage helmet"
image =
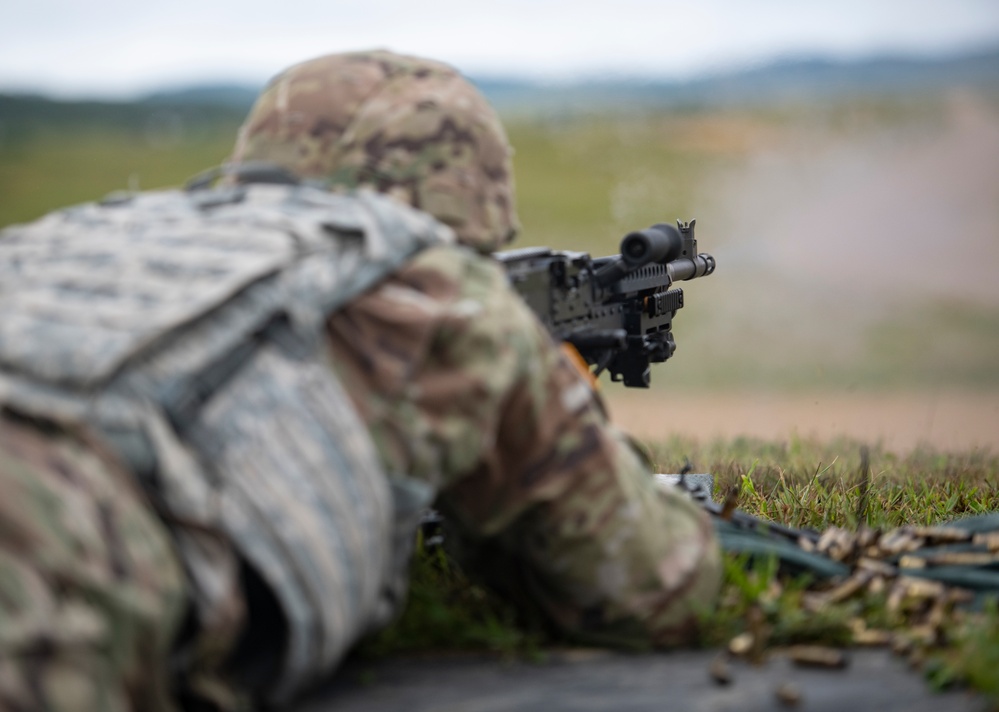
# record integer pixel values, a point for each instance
(409, 127)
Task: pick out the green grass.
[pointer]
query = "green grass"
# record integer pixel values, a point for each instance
(799, 483)
(804, 483)
(50, 170)
(448, 611)
(584, 184)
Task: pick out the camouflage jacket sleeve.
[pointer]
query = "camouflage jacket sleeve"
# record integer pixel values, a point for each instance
(463, 388)
(91, 591)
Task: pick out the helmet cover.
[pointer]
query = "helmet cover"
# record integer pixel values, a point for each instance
(409, 127)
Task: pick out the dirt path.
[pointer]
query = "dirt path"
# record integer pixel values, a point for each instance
(954, 421)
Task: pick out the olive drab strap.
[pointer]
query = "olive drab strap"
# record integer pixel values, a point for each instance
(187, 327)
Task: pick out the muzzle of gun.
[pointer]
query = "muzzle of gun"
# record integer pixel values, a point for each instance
(673, 247)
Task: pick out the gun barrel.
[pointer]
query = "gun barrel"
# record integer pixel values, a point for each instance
(659, 243)
(699, 266)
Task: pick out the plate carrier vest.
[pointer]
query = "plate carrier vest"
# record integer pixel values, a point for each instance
(187, 327)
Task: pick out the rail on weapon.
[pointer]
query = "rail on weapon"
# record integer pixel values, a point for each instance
(617, 311)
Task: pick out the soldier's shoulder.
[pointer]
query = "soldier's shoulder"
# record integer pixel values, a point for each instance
(462, 266)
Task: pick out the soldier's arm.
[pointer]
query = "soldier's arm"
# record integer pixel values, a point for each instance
(463, 388)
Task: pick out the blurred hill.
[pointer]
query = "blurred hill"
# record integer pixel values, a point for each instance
(794, 80)
(25, 115)
(237, 96)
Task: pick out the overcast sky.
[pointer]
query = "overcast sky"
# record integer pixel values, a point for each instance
(118, 48)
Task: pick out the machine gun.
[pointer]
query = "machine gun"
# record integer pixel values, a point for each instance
(617, 311)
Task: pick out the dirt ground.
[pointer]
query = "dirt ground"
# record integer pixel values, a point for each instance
(947, 421)
(835, 246)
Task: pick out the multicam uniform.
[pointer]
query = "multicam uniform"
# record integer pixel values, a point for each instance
(409, 127)
(460, 388)
(91, 591)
